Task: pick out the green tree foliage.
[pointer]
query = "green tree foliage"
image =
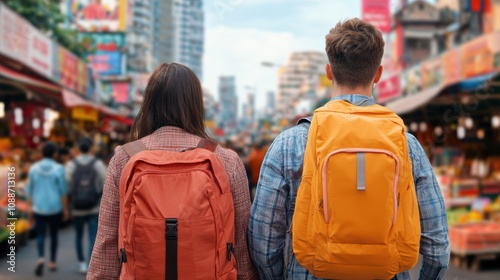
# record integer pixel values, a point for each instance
(46, 15)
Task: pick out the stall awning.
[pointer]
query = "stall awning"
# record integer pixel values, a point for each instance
(26, 79)
(409, 103)
(72, 99)
(476, 83)
(114, 115)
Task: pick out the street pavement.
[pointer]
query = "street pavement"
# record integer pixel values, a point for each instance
(26, 258)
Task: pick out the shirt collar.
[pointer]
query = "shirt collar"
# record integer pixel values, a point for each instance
(352, 97)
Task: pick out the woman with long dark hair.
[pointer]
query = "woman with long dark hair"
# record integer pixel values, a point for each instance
(171, 118)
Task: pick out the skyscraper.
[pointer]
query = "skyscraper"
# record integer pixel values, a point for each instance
(298, 79)
(228, 104)
(179, 33)
(140, 36)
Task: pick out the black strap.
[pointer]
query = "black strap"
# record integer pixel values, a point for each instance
(171, 249)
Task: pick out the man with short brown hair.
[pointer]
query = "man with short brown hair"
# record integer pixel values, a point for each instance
(355, 49)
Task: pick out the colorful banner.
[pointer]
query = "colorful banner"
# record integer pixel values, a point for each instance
(82, 78)
(477, 58)
(21, 41)
(14, 35)
(432, 72)
(121, 92)
(452, 69)
(40, 53)
(378, 13)
(388, 88)
(99, 15)
(108, 42)
(106, 63)
(68, 65)
(115, 92)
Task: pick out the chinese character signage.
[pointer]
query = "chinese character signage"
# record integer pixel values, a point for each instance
(99, 15)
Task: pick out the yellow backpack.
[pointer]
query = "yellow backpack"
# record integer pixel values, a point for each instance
(356, 213)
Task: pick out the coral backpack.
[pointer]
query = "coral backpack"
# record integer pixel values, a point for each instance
(176, 215)
(356, 213)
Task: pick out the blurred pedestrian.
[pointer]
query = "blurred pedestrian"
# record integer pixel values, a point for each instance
(299, 155)
(254, 161)
(169, 122)
(85, 175)
(47, 197)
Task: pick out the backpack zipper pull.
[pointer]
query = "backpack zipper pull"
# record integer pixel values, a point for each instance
(229, 247)
(123, 256)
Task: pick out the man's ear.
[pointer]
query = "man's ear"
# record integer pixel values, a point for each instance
(380, 70)
(329, 73)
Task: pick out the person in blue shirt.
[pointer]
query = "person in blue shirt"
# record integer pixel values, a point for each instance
(47, 195)
(355, 49)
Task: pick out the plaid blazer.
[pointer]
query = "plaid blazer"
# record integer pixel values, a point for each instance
(104, 263)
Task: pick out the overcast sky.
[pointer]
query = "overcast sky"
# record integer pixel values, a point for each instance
(240, 34)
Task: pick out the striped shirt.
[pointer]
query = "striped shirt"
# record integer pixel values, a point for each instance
(105, 264)
(273, 207)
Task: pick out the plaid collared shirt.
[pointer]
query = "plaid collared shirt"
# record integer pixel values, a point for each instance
(104, 263)
(272, 210)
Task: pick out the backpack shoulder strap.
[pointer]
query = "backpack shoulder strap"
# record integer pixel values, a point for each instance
(207, 144)
(307, 120)
(134, 147)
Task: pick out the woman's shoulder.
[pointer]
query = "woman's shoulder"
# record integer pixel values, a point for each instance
(227, 155)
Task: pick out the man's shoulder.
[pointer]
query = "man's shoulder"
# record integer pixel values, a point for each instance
(298, 131)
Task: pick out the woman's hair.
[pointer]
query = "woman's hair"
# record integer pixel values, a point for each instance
(173, 97)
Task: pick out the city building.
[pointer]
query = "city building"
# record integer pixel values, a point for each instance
(450, 4)
(140, 35)
(422, 26)
(297, 79)
(179, 33)
(228, 110)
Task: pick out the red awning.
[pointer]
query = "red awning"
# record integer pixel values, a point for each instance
(72, 99)
(26, 79)
(114, 115)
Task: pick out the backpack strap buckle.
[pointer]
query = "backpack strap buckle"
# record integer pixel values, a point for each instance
(171, 229)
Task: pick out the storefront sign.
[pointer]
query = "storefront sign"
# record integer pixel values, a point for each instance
(477, 58)
(115, 92)
(432, 72)
(106, 63)
(378, 13)
(99, 16)
(14, 35)
(121, 92)
(85, 114)
(452, 69)
(21, 41)
(40, 53)
(108, 42)
(82, 77)
(388, 88)
(68, 65)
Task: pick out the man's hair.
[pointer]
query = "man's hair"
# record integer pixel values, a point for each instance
(49, 149)
(84, 145)
(355, 49)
